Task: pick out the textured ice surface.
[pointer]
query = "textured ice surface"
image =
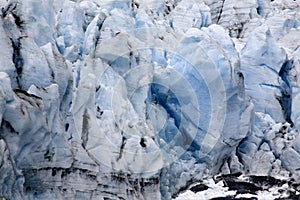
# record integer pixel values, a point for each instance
(139, 99)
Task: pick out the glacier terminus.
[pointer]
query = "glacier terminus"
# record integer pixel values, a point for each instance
(141, 99)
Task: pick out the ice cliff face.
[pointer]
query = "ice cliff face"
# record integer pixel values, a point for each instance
(137, 99)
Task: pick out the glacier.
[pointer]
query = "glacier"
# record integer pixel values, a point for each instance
(140, 99)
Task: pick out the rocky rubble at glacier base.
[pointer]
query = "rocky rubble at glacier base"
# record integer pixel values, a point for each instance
(141, 99)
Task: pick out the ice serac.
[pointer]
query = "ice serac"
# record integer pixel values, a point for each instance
(139, 99)
(270, 53)
(210, 72)
(235, 14)
(188, 14)
(262, 45)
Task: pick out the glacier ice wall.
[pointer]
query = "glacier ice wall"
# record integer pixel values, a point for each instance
(137, 99)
